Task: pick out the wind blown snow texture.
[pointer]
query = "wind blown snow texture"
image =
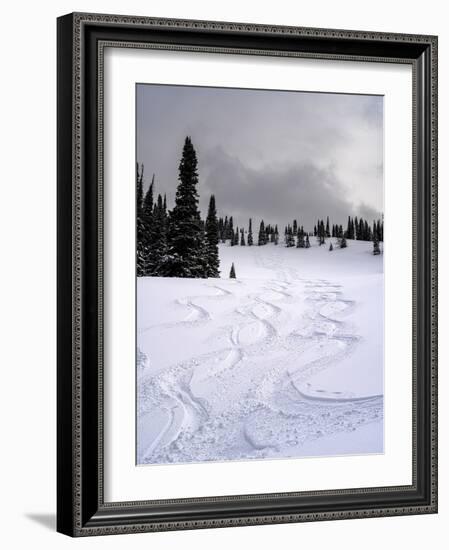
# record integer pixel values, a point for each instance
(284, 361)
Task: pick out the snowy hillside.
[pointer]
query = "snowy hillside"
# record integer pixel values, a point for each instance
(286, 360)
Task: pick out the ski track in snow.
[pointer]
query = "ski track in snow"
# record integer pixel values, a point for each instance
(251, 397)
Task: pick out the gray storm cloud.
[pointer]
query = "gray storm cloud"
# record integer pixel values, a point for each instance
(267, 154)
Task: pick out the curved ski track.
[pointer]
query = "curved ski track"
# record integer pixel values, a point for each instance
(250, 408)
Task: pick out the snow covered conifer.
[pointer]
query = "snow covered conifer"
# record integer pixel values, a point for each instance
(327, 228)
(261, 238)
(236, 236)
(307, 245)
(139, 190)
(250, 233)
(276, 235)
(186, 254)
(343, 243)
(376, 248)
(331, 247)
(140, 227)
(147, 227)
(225, 230)
(232, 272)
(242, 237)
(289, 238)
(212, 237)
(158, 246)
(230, 228)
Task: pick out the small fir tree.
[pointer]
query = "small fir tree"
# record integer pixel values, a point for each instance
(232, 272)
(376, 248)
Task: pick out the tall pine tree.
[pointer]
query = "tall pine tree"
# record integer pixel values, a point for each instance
(212, 237)
(186, 254)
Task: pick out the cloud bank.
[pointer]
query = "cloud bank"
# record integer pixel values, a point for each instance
(270, 154)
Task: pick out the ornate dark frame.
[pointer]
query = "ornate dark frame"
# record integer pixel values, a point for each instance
(81, 509)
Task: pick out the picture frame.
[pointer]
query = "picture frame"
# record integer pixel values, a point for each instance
(81, 506)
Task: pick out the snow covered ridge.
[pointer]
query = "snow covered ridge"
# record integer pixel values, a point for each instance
(285, 360)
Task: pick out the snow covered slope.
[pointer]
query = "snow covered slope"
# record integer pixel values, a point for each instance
(286, 360)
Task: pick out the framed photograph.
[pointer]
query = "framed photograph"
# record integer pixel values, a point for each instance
(247, 274)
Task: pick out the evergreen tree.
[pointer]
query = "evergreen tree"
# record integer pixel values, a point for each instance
(366, 232)
(212, 238)
(327, 228)
(276, 235)
(376, 248)
(232, 238)
(321, 232)
(139, 190)
(289, 238)
(236, 236)
(300, 239)
(232, 272)
(225, 230)
(343, 243)
(295, 228)
(331, 247)
(242, 237)
(314, 231)
(186, 254)
(147, 229)
(158, 246)
(230, 234)
(307, 245)
(348, 229)
(250, 233)
(267, 233)
(141, 250)
(261, 238)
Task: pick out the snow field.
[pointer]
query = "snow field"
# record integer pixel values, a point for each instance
(284, 361)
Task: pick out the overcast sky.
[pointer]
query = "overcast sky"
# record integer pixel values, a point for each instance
(267, 154)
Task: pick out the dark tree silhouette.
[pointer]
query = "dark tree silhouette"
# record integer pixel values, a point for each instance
(212, 238)
(232, 272)
(261, 238)
(186, 252)
(250, 233)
